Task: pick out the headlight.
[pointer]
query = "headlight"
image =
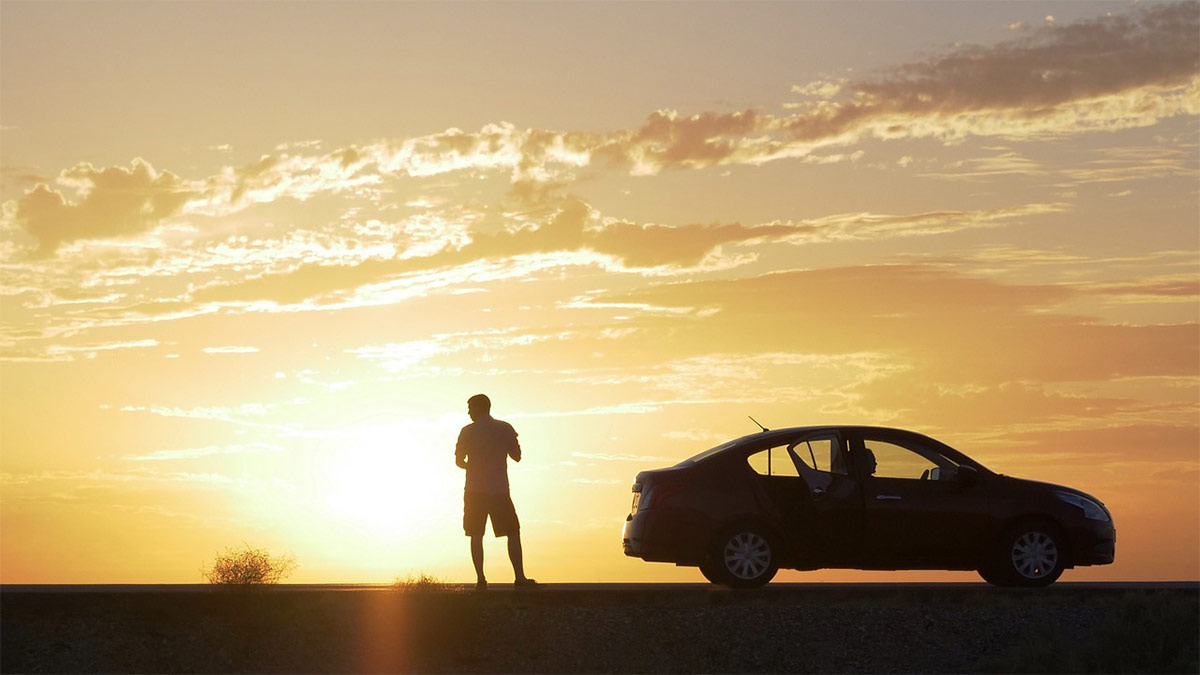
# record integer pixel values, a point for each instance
(1091, 509)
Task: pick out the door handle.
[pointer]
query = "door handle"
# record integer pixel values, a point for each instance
(818, 493)
(884, 498)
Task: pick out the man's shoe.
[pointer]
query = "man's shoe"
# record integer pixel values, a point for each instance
(481, 585)
(525, 583)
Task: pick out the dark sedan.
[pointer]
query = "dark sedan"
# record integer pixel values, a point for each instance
(861, 498)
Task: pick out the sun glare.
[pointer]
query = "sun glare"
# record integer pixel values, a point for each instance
(394, 482)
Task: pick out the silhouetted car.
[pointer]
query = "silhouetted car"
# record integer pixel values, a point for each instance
(862, 498)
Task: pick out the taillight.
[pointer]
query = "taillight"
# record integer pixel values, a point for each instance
(637, 497)
(659, 495)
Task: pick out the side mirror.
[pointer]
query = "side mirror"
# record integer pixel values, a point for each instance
(968, 475)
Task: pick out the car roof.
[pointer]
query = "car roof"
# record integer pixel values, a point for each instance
(772, 434)
(769, 435)
(791, 431)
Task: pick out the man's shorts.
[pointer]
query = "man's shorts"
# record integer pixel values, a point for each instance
(477, 506)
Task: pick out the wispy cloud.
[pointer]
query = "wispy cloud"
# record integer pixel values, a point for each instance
(241, 415)
(946, 323)
(62, 352)
(230, 349)
(574, 227)
(206, 451)
(619, 457)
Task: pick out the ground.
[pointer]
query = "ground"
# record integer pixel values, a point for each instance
(652, 628)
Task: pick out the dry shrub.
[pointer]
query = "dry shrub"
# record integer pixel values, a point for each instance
(248, 565)
(423, 582)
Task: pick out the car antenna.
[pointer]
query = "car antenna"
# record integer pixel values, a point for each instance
(759, 425)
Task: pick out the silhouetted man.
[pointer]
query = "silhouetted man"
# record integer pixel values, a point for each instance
(869, 462)
(483, 449)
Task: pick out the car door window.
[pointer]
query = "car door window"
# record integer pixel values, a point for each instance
(773, 462)
(821, 454)
(819, 459)
(908, 460)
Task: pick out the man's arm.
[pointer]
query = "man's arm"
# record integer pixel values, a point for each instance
(515, 450)
(460, 450)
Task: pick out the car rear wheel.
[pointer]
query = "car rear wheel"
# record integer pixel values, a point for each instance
(1030, 555)
(744, 557)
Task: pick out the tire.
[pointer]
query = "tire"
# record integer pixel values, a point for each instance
(743, 557)
(1028, 555)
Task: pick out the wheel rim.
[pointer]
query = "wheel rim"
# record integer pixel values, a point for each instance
(747, 555)
(1034, 555)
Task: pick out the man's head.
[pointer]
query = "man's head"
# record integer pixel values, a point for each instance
(479, 407)
(869, 462)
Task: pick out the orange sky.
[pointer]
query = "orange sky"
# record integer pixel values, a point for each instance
(254, 257)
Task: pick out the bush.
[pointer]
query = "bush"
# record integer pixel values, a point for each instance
(422, 583)
(248, 565)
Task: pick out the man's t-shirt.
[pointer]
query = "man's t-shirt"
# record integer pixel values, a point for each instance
(487, 444)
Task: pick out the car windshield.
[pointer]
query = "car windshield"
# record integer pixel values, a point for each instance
(710, 452)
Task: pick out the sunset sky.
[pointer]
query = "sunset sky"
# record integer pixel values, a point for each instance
(254, 258)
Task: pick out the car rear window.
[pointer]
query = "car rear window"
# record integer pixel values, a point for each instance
(710, 452)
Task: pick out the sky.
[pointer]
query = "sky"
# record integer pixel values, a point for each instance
(255, 256)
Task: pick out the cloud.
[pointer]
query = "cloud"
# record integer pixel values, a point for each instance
(620, 457)
(574, 226)
(1152, 289)
(1107, 73)
(646, 245)
(630, 408)
(274, 177)
(1006, 163)
(950, 328)
(745, 376)
(79, 480)
(1136, 163)
(108, 202)
(1008, 405)
(235, 415)
(1154, 444)
(416, 357)
(1114, 72)
(68, 352)
(206, 451)
(230, 349)
(107, 346)
(670, 140)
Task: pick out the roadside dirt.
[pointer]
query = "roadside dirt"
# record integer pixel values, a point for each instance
(776, 629)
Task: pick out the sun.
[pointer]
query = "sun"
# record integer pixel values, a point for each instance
(396, 480)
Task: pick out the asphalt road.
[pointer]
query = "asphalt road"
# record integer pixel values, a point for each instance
(656, 588)
(1122, 627)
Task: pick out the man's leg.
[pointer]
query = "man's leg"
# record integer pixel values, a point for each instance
(477, 558)
(515, 555)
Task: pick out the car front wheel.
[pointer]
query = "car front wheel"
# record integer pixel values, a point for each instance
(743, 557)
(1028, 555)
